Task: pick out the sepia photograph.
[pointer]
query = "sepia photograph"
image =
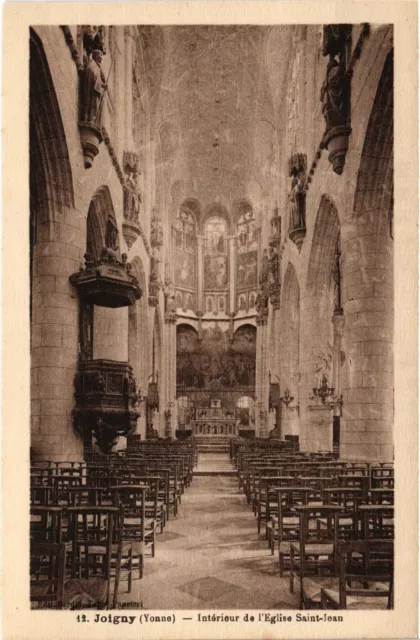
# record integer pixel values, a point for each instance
(211, 323)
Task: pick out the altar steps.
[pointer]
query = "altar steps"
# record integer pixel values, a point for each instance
(212, 444)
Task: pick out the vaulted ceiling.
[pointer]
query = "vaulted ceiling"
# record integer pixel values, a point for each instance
(216, 115)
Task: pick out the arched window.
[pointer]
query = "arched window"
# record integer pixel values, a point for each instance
(216, 236)
(185, 231)
(185, 243)
(247, 258)
(215, 258)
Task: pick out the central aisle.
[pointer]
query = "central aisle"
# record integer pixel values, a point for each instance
(211, 557)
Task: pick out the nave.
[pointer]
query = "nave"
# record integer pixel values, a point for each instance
(211, 556)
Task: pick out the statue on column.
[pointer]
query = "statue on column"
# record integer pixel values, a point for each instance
(297, 195)
(93, 82)
(156, 232)
(132, 195)
(273, 266)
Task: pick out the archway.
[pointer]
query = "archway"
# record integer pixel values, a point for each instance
(317, 329)
(54, 347)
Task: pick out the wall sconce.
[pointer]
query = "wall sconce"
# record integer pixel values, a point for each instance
(325, 395)
(287, 400)
(322, 392)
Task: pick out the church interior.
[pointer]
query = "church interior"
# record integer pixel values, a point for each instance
(211, 316)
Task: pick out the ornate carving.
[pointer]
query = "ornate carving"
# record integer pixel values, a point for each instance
(105, 394)
(107, 282)
(86, 331)
(154, 282)
(335, 94)
(297, 199)
(261, 306)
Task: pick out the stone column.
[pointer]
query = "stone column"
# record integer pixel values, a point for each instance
(261, 383)
(128, 89)
(200, 274)
(320, 426)
(232, 274)
(57, 254)
(110, 334)
(169, 365)
(367, 386)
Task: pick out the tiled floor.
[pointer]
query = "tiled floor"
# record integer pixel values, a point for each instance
(210, 556)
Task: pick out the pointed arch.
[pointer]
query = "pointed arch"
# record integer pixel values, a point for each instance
(100, 209)
(324, 242)
(374, 189)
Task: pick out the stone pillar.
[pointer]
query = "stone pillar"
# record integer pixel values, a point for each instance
(309, 338)
(200, 274)
(232, 274)
(128, 89)
(320, 427)
(110, 334)
(57, 254)
(169, 365)
(261, 382)
(367, 386)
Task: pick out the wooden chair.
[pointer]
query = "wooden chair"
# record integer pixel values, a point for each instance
(138, 533)
(96, 545)
(46, 523)
(366, 577)
(376, 521)
(313, 561)
(47, 570)
(288, 499)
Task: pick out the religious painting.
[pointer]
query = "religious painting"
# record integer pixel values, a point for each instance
(214, 363)
(215, 272)
(246, 270)
(179, 300)
(185, 231)
(185, 275)
(242, 306)
(247, 232)
(216, 236)
(189, 301)
(209, 304)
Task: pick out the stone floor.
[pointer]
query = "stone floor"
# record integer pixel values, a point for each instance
(210, 556)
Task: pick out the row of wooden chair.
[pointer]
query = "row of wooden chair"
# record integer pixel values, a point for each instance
(92, 524)
(331, 520)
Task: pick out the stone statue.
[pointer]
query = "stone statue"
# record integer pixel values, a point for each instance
(334, 94)
(297, 195)
(273, 266)
(156, 232)
(264, 268)
(111, 234)
(92, 88)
